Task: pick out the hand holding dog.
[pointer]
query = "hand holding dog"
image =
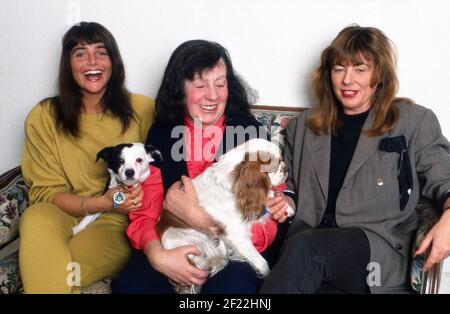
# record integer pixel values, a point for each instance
(134, 196)
(174, 263)
(181, 200)
(278, 205)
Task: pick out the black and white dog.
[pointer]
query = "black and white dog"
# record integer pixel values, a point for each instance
(128, 164)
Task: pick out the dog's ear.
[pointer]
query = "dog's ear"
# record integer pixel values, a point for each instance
(105, 153)
(153, 153)
(251, 187)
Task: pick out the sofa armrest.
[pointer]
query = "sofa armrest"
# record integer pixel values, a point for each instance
(13, 202)
(425, 282)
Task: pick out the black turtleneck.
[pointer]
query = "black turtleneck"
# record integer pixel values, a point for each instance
(343, 144)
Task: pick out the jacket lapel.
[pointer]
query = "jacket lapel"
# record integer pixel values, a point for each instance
(319, 147)
(364, 149)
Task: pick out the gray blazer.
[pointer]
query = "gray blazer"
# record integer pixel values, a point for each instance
(369, 198)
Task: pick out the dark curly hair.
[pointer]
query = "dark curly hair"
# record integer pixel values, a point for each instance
(190, 58)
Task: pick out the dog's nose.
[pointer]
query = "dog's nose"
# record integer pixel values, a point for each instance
(129, 173)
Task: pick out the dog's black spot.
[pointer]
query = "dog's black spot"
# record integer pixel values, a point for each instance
(111, 155)
(154, 152)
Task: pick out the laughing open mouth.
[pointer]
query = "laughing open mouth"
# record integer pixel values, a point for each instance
(208, 108)
(93, 75)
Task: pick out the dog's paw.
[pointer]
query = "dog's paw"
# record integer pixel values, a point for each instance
(186, 289)
(262, 268)
(217, 263)
(216, 240)
(290, 211)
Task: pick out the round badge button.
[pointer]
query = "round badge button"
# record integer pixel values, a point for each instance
(119, 198)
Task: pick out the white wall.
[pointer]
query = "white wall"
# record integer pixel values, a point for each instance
(273, 44)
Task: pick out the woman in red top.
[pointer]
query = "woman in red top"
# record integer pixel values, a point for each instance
(199, 99)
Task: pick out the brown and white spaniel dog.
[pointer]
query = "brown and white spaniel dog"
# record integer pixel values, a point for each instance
(233, 191)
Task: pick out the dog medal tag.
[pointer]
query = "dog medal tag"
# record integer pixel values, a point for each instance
(118, 199)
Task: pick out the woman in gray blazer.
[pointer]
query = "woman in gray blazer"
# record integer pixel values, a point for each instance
(358, 162)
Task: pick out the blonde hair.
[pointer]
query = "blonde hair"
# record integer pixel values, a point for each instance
(351, 45)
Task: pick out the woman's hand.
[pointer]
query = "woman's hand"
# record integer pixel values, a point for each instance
(278, 205)
(439, 238)
(181, 200)
(175, 265)
(133, 194)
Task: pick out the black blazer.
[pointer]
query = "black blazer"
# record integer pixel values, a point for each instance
(160, 136)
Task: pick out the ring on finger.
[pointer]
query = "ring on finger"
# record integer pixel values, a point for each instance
(133, 201)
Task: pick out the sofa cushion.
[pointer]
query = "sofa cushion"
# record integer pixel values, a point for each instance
(9, 275)
(275, 119)
(99, 287)
(13, 202)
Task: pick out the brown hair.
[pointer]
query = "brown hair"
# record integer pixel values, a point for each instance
(252, 185)
(67, 106)
(350, 45)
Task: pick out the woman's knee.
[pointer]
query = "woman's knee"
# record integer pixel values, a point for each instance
(44, 217)
(236, 277)
(301, 243)
(138, 276)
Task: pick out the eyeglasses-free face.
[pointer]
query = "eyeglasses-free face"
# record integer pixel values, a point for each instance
(352, 86)
(206, 95)
(91, 68)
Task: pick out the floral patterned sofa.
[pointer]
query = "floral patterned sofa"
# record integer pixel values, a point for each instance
(14, 201)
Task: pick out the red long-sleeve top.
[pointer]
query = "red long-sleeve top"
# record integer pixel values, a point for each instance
(141, 229)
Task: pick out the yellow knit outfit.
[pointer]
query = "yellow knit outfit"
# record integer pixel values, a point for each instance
(55, 162)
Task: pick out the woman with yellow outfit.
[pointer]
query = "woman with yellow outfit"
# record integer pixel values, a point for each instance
(63, 134)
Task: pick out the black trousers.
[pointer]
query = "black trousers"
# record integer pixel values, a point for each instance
(139, 277)
(325, 260)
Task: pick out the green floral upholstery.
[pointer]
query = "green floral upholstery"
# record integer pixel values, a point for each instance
(13, 201)
(275, 119)
(9, 275)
